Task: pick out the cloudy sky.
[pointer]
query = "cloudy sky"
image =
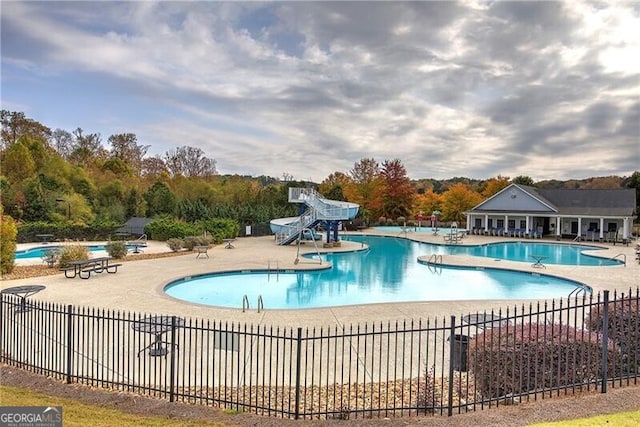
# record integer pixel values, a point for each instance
(550, 90)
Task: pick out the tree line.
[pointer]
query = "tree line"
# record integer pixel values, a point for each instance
(61, 176)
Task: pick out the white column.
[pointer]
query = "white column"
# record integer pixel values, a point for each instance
(528, 223)
(506, 222)
(469, 218)
(558, 228)
(579, 226)
(486, 222)
(625, 228)
(601, 229)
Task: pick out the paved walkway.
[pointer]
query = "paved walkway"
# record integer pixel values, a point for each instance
(138, 285)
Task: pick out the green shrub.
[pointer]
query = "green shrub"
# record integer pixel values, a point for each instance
(219, 229)
(175, 244)
(116, 250)
(97, 230)
(72, 253)
(401, 220)
(533, 356)
(8, 233)
(165, 229)
(189, 242)
(623, 329)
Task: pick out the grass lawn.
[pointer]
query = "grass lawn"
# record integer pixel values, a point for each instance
(75, 413)
(620, 419)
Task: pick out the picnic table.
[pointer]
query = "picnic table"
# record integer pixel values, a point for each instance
(229, 243)
(158, 326)
(84, 268)
(23, 292)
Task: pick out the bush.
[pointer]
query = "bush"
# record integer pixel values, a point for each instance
(98, 230)
(8, 233)
(116, 250)
(175, 244)
(429, 398)
(623, 329)
(535, 356)
(219, 229)
(72, 253)
(165, 229)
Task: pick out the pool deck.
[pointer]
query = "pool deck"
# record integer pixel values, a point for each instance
(137, 286)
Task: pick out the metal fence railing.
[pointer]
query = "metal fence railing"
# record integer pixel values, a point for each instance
(439, 366)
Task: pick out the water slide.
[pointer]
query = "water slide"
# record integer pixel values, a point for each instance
(317, 209)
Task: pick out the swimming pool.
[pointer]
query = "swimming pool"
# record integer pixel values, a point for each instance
(387, 271)
(40, 251)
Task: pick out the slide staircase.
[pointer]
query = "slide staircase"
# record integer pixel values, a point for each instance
(317, 209)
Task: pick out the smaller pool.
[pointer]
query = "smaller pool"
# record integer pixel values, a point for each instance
(40, 251)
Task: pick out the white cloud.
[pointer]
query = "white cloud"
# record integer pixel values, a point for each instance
(451, 89)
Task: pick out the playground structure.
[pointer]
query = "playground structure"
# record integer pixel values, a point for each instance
(314, 209)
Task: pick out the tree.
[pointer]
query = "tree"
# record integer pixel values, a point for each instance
(16, 126)
(457, 200)
(634, 182)
(426, 203)
(135, 205)
(190, 162)
(17, 163)
(365, 188)
(333, 187)
(160, 200)
(397, 193)
(523, 180)
(153, 166)
(62, 142)
(86, 147)
(494, 185)
(124, 146)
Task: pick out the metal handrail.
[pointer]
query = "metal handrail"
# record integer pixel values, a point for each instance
(434, 258)
(276, 269)
(260, 303)
(245, 303)
(577, 291)
(624, 258)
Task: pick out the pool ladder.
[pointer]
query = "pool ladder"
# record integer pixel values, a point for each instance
(435, 263)
(275, 269)
(577, 291)
(622, 256)
(245, 303)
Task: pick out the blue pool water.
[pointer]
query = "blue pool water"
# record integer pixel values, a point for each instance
(386, 272)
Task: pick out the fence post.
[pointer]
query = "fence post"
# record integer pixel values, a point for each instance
(452, 343)
(605, 341)
(172, 369)
(69, 342)
(3, 358)
(298, 361)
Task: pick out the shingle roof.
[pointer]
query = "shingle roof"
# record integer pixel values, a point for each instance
(618, 202)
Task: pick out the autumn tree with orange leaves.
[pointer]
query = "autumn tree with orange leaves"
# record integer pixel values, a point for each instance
(398, 193)
(457, 200)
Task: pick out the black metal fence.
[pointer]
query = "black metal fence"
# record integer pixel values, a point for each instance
(442, 366)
